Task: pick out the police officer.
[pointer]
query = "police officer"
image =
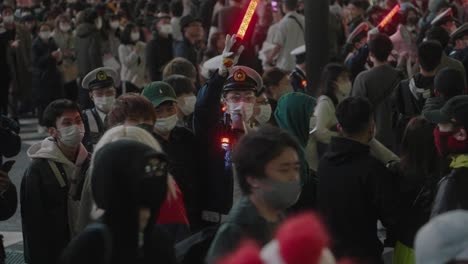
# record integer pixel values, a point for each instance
(219, 130)
(356, 51)
(460, 45)
(101, 84)
(298, 75)
(445, 20)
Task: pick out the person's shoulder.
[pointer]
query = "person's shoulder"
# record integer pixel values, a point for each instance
(183, 132)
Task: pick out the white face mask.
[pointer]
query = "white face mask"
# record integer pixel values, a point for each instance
(114, 24)
(165, 125)
(44, 35)
(135, 36)
(9, 19)
(189, 104)
(65, 27)
(245, 109)
(99, 23)
(71, 136)
(166, 29)
(104, 103)
(264, 115)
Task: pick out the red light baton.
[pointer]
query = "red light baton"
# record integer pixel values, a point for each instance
(247, 18)
(389, 17)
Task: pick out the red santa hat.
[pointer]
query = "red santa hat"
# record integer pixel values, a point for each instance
(300, 240)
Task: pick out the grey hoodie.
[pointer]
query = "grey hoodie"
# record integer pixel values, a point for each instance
(48, 149)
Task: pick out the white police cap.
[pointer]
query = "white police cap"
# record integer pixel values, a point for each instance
(99, 78)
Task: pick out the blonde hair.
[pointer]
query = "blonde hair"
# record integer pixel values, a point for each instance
(135, 133)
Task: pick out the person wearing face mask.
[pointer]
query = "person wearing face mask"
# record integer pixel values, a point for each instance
(101, 84)
(267, 167)
(451, 140)
(131, 195)
(191, 48)
(132, 56)
(160, 48)
(88, 48)
(262, 111)
(65, 39)
(404, 39)
(186, 99)
(223, 108)
(51, 186)
(367, 191)
(47, 79)
(18, 59)
(180, 145)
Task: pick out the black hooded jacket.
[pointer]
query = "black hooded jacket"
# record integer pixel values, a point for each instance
(355, 190)
(121, 186)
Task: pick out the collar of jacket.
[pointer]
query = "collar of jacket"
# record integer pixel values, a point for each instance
(341, 145)
(460, 161)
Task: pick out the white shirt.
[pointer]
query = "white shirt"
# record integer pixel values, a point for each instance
(176, 33)
(289, 36)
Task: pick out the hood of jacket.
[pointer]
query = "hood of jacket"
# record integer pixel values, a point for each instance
(85, 29)
(293, 113)
(48, 149)
(343, 150)
(421, 86)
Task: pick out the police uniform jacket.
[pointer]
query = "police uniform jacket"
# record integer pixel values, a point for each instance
(94, 128)
(208, 128)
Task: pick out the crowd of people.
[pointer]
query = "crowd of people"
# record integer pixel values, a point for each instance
(169, 139)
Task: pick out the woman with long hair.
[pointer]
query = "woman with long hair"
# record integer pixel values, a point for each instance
(418, 173)
(132, 56)
(335, 86)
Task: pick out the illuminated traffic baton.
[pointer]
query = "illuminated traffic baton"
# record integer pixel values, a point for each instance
(247, 18)
(389, 17)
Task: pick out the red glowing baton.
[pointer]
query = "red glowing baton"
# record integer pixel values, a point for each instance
(247, 18)
(389, 17)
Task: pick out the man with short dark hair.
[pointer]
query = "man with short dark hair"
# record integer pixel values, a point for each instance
(355, 189)
(377, 85)
(441, 35)
(51, 186)
(193, 34)
(447, 84)
(267, 168)
(357, 10)
(451, 140)
(411, 94)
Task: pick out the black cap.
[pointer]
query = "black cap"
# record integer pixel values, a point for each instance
(455, 110)
(243, 78)
(449, 82)
(185, 21)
